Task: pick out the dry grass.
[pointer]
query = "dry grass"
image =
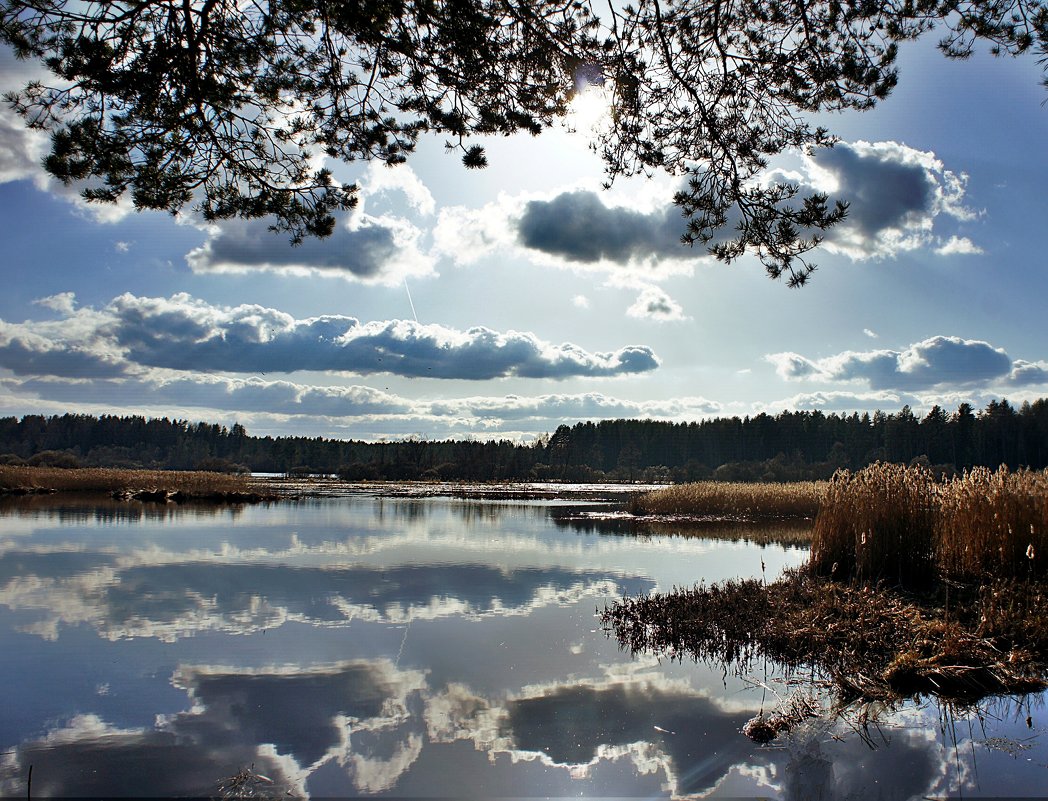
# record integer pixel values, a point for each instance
(898, 524)
(733, 500)
(98, 479)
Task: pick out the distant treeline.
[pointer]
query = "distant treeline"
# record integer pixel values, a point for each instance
(788, 446)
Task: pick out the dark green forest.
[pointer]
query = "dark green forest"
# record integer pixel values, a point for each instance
(789, 446)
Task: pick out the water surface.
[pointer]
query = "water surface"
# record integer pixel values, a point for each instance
(405, 647)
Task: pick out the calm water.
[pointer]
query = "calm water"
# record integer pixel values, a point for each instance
(416, 647)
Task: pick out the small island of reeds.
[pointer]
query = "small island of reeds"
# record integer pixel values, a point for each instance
(732, 500)
(914, 586)
(146, 485)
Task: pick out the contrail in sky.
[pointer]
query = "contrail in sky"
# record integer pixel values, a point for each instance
(410, 301)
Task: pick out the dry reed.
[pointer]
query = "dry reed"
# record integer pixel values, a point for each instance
(994, 523)
(877, 524)
(898, 524)
(100, 479)
(732, 500)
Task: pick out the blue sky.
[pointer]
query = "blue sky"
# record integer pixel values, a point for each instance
(507, 301)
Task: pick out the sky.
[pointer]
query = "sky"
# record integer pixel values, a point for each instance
(504, 302)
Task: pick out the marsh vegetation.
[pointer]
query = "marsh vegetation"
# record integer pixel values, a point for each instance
(729, 500)
(914, 585)
(142, 484)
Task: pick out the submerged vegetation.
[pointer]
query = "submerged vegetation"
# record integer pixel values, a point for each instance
(732, 500)
(915, 585)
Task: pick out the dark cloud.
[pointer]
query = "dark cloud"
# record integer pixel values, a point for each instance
(895, 194)
(577, 226)
(37, 355)
(237, 717)
(89, 759)
(242, 395)
(361, 253)
(937, 361)
(175, 600)
(571, 723)
(295, 712)
(883, 188)
(368, 249)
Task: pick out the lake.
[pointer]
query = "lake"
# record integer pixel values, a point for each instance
(420, 647)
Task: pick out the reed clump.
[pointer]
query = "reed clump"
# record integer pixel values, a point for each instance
(994, 524)
(196, 484)
(732, 500)
(899, 524)
(877, 524)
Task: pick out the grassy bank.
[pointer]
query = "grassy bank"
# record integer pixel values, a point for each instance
(143, 484)
(914, 586)
(732, 500)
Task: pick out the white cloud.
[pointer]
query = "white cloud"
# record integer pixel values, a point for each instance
(580, 302)
(183, 333)
(935, 362)
(382, 178)
(960, 246)
(870, 333)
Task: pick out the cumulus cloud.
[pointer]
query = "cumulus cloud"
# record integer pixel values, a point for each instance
(183, 333)
(576, 228)
(1025, 373)
(655, 304)
(579, 227)
(359, 412)
(382, 178)
(20, 150)
(958, 245)
(372, 250)
(935, 362)
(895, 194)
(836, 401)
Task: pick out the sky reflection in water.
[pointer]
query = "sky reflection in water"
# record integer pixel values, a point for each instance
(402, 647)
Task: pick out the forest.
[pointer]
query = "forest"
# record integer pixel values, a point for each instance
(790, 446)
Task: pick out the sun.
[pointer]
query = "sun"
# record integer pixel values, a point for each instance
(590, 107)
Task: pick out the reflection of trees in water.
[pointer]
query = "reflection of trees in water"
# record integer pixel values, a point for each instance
(101, 508)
